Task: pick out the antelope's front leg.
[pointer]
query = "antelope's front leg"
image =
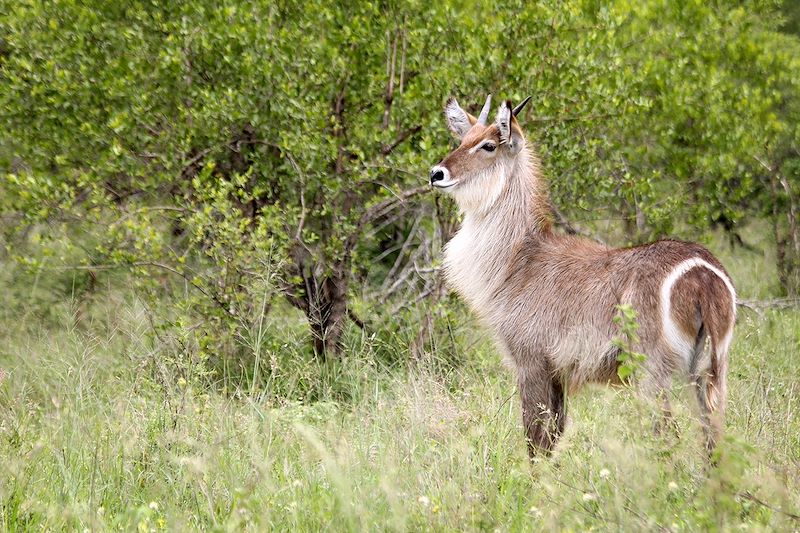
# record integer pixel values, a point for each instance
(543, 407)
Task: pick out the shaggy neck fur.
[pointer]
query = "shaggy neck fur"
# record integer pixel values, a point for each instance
(495, 225)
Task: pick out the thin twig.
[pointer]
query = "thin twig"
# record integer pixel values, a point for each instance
(575, 118)
(402, 136)
(153, 264)
(747, 495)
(356, 320)
(775, 303)
(570, 228)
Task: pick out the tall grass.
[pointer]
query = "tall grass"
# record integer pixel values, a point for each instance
(104, 427)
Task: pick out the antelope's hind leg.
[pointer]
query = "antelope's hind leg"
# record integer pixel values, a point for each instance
(655, 388)
(665, 423)
(710, 389)
(543, 408)
(708, 376)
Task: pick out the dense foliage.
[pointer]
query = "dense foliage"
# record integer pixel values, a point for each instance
(236, 154)
(199, 199)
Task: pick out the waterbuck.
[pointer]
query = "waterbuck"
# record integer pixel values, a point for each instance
(550, 299)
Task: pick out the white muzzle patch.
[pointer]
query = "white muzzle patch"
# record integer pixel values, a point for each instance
(440, 178)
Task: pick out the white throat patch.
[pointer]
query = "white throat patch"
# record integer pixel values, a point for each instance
(480, 192)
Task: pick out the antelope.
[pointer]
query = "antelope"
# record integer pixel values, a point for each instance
(550, 298)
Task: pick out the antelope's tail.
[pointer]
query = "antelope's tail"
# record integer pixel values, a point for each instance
(718, 313)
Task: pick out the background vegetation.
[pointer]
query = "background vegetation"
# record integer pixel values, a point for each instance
(219, 262)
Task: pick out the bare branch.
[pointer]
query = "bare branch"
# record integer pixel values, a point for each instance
(153, 264)
(775, 303)
(356, 320)
(747, 495)
(391, 61)
(792, 215)
(389, 148)
(399, 261)
(563, 223)
(403, 57)
(389, 204)
(575, 118)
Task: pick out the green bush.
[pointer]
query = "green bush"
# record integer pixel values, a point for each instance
(228, 154)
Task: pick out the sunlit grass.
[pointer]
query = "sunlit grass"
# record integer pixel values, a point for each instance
(103, 428)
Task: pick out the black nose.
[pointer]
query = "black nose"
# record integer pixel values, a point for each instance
(436, 175)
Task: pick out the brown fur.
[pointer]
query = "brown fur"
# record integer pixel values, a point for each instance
(551, 299)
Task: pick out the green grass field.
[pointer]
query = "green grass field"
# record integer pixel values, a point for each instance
(102, 427)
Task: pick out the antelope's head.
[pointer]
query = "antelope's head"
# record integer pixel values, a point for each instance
(475, 173)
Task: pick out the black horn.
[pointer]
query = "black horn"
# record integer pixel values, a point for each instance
(519, 107)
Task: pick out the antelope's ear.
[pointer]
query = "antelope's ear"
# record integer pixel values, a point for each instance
(508, 127)
(458, 120)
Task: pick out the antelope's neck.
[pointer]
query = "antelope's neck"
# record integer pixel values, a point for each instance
(478, 257)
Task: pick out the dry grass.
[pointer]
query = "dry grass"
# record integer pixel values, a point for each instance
(102, 428)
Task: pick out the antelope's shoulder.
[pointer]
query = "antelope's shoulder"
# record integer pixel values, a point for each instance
(553, 263)
(564, 249)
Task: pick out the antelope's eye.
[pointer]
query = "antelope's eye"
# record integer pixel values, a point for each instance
(489, 147)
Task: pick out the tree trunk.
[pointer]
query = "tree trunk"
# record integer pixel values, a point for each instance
(792, 284)
(327, 313)
(322, 296)
(787, 246)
